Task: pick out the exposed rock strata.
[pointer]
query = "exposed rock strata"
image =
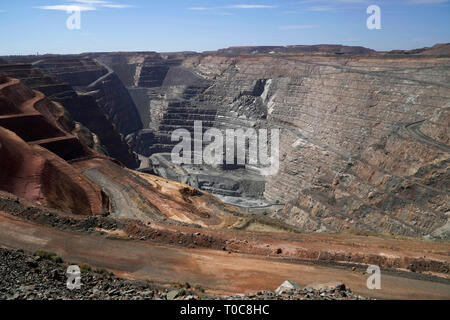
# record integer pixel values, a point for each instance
(352, 154)
(364, 135)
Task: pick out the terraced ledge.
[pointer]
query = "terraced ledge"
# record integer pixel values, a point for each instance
(414, 130)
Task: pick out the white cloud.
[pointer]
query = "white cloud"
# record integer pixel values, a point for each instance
(427, 1)
(327, 2)
(199, 8)
(69, 7)
(85, 5)
(117, 6)
(225, 11)
(334, 1)
(352, 1)
(236, 6)
(320, 8)
(298, 27)
(91, 2)
(250, 6)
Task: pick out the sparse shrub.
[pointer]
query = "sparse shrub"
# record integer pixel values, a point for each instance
(176, 284)
(84, 268)
(57, 259)
(103, 272)
(199, 288)
(180, 285)
(48, 255)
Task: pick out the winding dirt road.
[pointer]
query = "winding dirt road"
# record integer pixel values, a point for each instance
(219, 272)
(414, 130)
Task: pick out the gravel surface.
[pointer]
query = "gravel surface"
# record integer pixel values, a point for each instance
(42, 276)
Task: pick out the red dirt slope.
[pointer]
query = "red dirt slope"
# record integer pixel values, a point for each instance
(33, 150)
(34, 173)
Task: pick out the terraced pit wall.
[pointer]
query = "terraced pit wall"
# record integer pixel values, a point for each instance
(364, 135)
(349, 159)
(93, 110)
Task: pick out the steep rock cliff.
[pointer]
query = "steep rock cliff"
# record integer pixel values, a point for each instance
(364, 138)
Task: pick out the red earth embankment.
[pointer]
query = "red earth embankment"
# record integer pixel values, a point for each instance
(33, 147)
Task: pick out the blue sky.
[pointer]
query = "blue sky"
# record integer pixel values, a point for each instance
(31, 26)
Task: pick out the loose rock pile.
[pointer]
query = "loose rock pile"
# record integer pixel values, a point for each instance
(43, 277)
(290, 290)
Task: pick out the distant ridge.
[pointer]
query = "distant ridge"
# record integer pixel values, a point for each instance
(319, 48)
(437, 49)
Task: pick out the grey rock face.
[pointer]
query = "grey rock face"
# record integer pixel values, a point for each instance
(348, 159)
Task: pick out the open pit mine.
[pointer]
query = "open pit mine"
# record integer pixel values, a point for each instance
(87, 175)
